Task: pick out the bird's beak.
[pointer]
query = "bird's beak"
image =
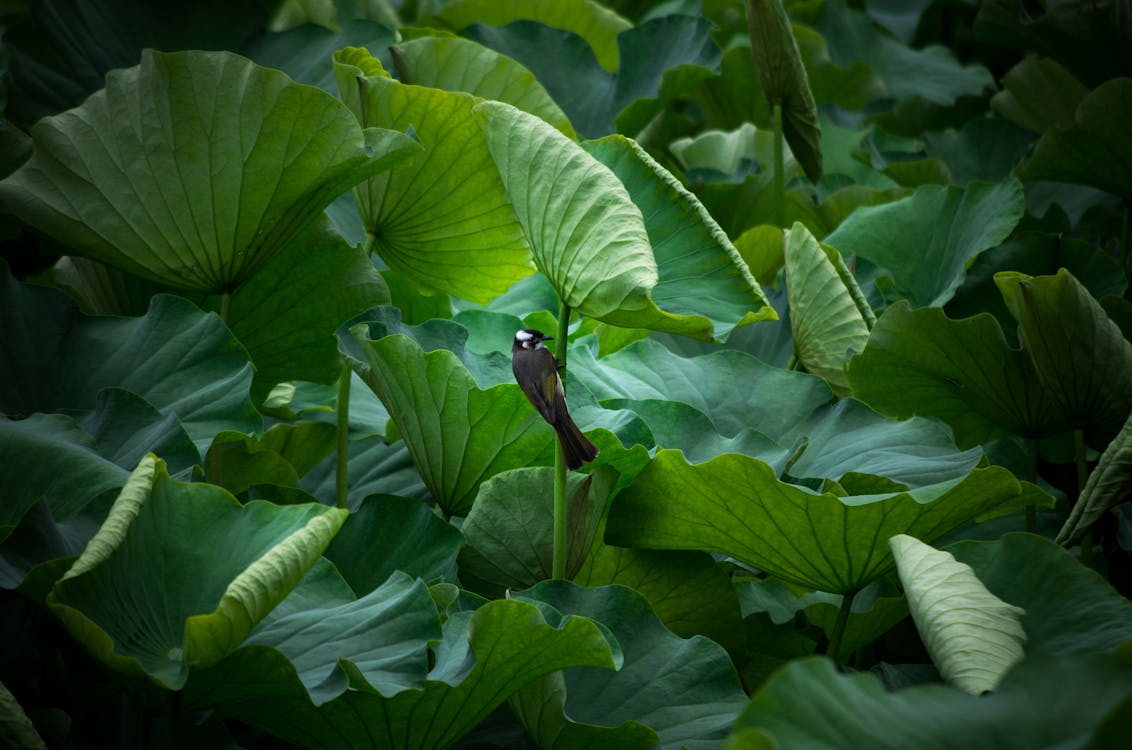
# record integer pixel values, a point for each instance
(548, 338)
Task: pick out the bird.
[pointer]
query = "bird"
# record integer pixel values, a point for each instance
(536, 371)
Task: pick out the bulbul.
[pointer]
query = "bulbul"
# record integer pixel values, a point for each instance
(536, 371)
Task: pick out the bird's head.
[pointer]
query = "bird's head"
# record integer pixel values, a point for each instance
(528, 339)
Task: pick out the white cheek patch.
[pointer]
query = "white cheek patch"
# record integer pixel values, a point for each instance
(523, 336)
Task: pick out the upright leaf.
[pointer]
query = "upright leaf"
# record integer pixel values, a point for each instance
(1109, 484)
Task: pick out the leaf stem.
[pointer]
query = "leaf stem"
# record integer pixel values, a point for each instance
(1082, 478)
(838, 634)
(559, 558)
(226, 305)
(1032, 477)
(779, 178)
(343, 450)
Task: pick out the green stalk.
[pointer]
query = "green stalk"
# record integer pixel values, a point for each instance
(779, 177)
(1032, 510)
(225, 304)
(838, 633)
(343, 456)
(559, 562)
(1082, 478)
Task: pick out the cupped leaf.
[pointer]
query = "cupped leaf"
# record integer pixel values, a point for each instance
(444, 222)
(484, 657)
(810, 704)
(961, 371)
(277, 153)
(1081, 357)
(687, 691)
(457, 433)
(973, 637)
(137, 597)
(828, 325)
(927, 240)
(456, 64)
(735, 505)
(700, 273)
(783, 79)
(1108, 485)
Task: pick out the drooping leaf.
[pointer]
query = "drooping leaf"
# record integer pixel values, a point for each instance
(783, 79)
(444, 221)
(961, 371)
(1108, 485)
(16, 729)
(278, 154)
(457, 433)
(973, 637)
(810, 704)
(685, 690)
(484, 657)
(1081, 357)
(456, 64)
(827, 324)
(734, 504)
(140, 603)
(927, 240)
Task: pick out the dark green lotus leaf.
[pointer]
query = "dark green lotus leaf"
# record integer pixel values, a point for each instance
(456, 64)
(1108, 485)
(388, 533)
(125, 427)
(810, 704)
(931, 73)
(284, 453)
(734, 97)
(306, 52)
(699, 271)
(484, 657)
(986, 149)
(1095, 149)
(927, 240)
(373, 467)
(457, 433)
(444, 221)
(137, 597)
(278, 153)
(735, 505)
(16, 729)
(783, 79)
(383, 635)
(960, 371)
(1081, 357)
(1085, 615)
(659, 59)
(1039, 94)
(687, 691)
(286, 314)
(852, 87)
(101, 289)
(177, 358)
(61, 52)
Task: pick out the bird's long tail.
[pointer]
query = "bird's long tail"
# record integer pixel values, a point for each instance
(576, 447)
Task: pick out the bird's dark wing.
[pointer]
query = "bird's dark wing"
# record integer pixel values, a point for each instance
(532, 372)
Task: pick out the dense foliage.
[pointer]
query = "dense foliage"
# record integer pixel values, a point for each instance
(841, 290)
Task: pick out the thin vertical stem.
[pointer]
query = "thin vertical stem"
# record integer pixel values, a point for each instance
(1082, 478)
(779, 178)
(341, 483)
(838, 633)
(559, 559)
(225, 304)
(1032, 477)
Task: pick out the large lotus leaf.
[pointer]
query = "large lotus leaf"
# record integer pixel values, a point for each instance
(484, 657)
(1109, 484)
(660, 59)
(985, 149)
(1046, 702)
(456, 64)
(961, 371)
(280, 456)
(253, 167)
(1093, 150)
(1038, 94)
(509, 532)
(783, 79)
(59, 54)
(827, 324)
(1085, 615)
(649, 370)
(1081, 356)
(373, 467)
(699, 271)
(138, 597)
(932, 73)
(735, 505)
(444, 221)
(457, 433)
(180, 360)
(850, 437)
(685, 690)
(389, 533)
(973, 637)
(591, 21)
(286, 314)
(927, 240)
(383, 635)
